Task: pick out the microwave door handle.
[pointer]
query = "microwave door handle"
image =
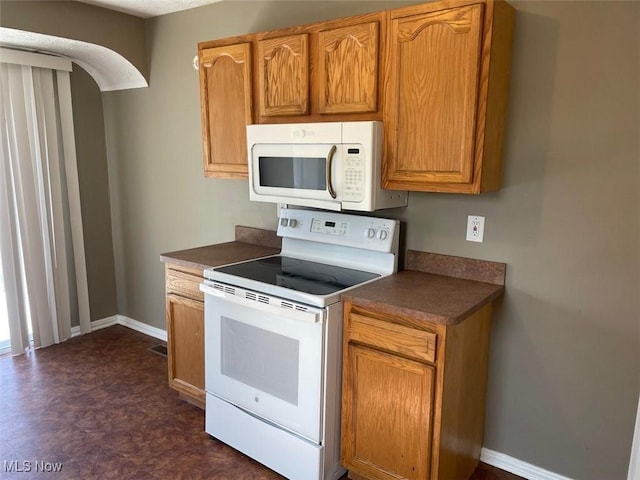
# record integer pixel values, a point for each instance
(330, 188)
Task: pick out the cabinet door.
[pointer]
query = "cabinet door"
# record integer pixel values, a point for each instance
(386, 415)
(430, 117)
(283, 75)
(348, 69)
(226, 108)
(185, 346)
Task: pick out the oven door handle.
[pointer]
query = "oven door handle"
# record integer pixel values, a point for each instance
(329, 164)
(310, 314)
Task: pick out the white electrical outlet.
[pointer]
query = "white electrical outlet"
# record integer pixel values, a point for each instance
(475, 228)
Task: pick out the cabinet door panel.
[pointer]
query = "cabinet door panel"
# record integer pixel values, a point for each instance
(185, 330)
(436, 68)
(284, 75)
(386, 418)
(226, 108)
(348, 69)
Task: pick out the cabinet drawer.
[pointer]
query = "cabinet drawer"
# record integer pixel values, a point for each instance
(392, 337)
(184, 284)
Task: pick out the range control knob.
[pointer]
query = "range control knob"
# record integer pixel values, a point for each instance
(370, 233)
(382, 234)
(284, 221)
(293, 223)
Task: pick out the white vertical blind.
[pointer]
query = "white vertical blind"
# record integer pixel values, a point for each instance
(40, 216)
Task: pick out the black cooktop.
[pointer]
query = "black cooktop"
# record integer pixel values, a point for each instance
(300, 275)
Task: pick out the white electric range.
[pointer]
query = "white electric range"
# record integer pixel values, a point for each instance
(273, 339)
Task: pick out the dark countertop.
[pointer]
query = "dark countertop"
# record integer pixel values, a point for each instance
(435, 288)
(249, 243)
(425, 296)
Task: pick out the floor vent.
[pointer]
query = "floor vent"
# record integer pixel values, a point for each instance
(160, 349)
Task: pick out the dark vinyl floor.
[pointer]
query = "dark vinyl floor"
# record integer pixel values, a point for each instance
(98, 407)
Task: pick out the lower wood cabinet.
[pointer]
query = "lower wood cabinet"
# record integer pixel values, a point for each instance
(405, 425)
(413, 395)
(185, 332)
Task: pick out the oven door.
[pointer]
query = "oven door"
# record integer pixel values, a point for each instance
(284, 172)
(265, 357)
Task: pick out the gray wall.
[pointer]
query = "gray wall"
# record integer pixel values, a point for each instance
(565, 360)
(563, 380)
(88, 124)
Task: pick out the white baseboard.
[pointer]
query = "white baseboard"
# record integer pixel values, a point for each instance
(104, 323)
(517, 467)
(127, 322)
(96, 325)
(634, 463)
(143, 328)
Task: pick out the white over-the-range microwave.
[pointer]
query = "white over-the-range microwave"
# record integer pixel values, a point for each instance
(330, 165)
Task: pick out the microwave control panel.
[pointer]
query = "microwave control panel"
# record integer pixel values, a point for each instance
(354, 173)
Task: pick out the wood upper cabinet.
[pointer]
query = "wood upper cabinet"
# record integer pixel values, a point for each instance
(437, 61)
(347, 66)
(283, 75)
(185, 332)
(436, 74)
(413, 395)
(446, 97)
(226, 108)
(327, 71)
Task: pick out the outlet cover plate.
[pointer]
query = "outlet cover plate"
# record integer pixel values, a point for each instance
(475, 228)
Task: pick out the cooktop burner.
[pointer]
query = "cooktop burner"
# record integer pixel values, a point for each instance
(300, 275)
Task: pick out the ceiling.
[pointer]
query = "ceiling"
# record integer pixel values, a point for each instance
(149, 8)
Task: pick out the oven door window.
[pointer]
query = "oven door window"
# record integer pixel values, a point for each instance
(266, 360)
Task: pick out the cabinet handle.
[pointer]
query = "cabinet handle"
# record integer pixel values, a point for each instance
(332, 151)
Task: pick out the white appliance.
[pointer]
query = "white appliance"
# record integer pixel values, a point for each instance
(273, 339)
(329, 165)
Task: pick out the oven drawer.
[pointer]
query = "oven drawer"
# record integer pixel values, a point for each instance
(185, 283)
(392, 337)
(266, 443)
